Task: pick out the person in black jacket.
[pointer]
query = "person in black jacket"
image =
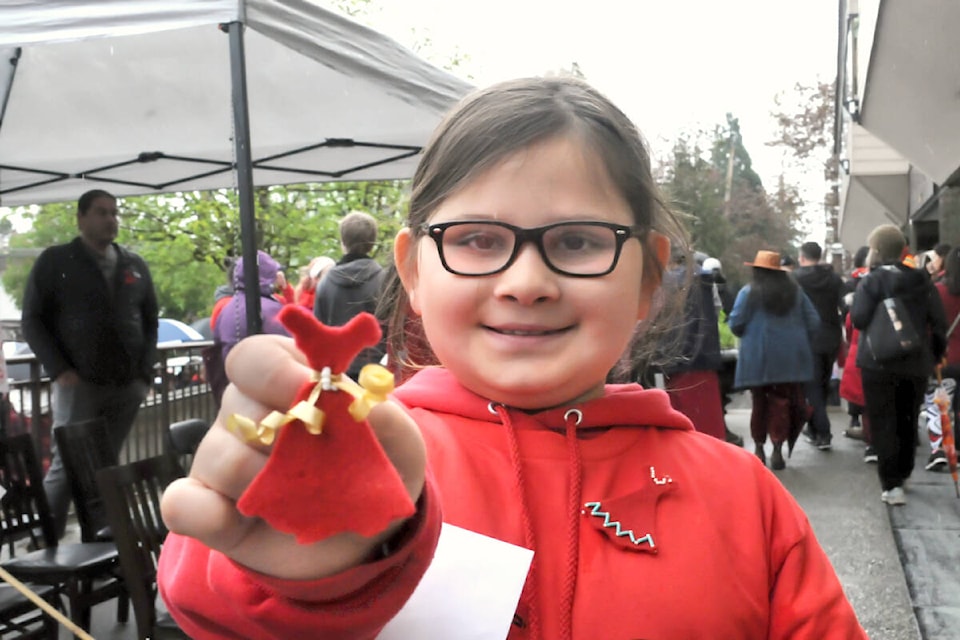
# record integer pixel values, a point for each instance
(893, 389)
(354, 284)
(90, 316)
(824, 287)
(691, 375)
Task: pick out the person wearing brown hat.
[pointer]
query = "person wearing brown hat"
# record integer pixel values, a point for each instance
(776, 323)
(893, 389)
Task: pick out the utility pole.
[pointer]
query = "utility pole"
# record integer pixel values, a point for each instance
(728, 187)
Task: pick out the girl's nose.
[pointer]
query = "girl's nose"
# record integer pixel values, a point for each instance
(528, 279)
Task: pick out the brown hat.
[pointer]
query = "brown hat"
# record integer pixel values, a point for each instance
(766, 260)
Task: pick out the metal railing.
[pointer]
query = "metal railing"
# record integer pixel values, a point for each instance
(179, 392)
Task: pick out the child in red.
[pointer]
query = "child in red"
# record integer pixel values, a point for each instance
(535, 244)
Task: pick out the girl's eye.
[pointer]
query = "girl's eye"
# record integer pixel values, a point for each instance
(484, 241)
(581, 240)
(476, 239)
(573, 242)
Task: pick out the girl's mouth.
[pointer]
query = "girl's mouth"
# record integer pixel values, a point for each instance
(528, 332)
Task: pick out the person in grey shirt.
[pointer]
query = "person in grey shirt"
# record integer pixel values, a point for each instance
(354, 284)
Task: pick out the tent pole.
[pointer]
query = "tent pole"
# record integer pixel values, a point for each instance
(241, 137)
(6, 93)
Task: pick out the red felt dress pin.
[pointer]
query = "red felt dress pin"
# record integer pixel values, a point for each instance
(327, 473)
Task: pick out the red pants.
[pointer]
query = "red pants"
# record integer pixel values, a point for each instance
(779, 410)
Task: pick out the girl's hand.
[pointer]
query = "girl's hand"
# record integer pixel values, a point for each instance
(266, 372)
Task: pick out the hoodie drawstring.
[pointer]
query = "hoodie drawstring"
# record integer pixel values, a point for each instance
(533, 619)
(572, 419)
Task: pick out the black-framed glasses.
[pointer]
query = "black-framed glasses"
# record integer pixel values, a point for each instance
(580, 249)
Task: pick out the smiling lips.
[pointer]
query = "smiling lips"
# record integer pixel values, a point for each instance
(524, 332)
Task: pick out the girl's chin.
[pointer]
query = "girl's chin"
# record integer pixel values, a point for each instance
(540, 397)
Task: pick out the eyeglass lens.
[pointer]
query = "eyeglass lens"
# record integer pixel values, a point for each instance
(475, 248)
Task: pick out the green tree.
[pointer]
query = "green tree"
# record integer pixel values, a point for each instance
(186, 237)
(695, 189)
(805, 122)
(694, 177)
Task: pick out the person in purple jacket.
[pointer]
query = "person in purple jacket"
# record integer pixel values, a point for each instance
(231, 325)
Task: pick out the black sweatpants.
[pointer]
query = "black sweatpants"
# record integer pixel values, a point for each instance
(892, 406)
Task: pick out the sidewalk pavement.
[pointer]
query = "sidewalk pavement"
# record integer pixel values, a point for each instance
(927, 533)
(897, 564)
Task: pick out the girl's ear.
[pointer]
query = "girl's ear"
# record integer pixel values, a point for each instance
(659, 244)
(404, 248)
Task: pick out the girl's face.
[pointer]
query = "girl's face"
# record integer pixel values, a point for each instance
(529, 337)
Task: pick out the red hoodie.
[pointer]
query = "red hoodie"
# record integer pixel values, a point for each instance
(642, 528)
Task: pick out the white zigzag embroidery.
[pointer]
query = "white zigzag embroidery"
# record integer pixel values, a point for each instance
(607, 522)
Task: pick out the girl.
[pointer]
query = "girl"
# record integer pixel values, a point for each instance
(534, 246)
(776, 323)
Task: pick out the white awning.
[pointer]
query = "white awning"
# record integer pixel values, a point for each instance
(135, 97)
(910, 98)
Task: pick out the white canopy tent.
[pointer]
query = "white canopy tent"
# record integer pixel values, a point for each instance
(159, 96)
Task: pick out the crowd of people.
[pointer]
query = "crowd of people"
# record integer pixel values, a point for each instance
(801, 324)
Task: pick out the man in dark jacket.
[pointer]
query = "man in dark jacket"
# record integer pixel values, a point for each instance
(825, 289)
(354, 284)
(90, 316)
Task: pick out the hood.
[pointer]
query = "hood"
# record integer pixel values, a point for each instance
(268, 269)
(815, 276)
(354, 274)
(435, 389)
(905, 281)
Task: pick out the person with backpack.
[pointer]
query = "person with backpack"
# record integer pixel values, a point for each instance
(893, 388)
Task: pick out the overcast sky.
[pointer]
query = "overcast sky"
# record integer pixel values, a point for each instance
(671, 65)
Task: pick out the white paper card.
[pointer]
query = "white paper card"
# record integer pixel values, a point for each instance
(470, 591)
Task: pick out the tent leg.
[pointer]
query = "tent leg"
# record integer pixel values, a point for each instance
(244, 169)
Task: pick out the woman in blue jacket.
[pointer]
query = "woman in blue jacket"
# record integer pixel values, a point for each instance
(776, 323)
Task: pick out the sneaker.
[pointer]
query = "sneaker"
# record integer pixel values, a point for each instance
(854, 432)
(823, 443)
(938, 460)
(809, 435)
(733, 438)
(854, 421)
(869, 455)
(894, 496)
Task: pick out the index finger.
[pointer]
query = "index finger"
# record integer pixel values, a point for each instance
(269, 369)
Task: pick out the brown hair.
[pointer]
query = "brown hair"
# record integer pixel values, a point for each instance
(888, 242)
(358, 232)
(490, 125)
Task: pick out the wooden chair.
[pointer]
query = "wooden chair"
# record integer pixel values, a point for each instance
(131, 494)
(85, 572)
(84, 448)
(184, 437)
(20, 618)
